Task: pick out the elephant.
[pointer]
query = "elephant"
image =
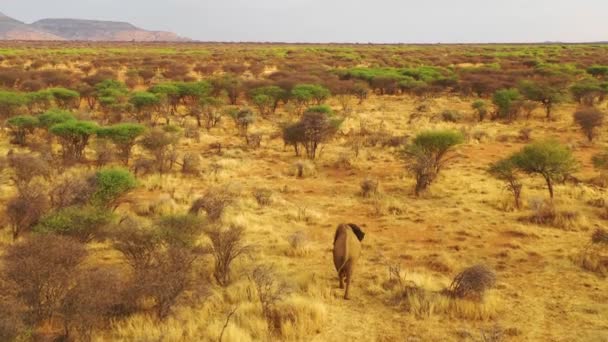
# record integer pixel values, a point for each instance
(347, 248)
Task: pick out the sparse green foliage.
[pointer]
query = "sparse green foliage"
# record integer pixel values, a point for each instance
(506, 101)
(481, 108)
(549, 159)
(547, 95)
(21, 126)
(81, 223)
(427, 154)
(74, 137)
(506, 170)
(124, 136)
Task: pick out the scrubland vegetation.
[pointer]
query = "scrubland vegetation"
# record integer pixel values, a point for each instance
(190, 192)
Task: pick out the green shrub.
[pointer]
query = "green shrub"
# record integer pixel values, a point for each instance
(82, 223)
(111, 184)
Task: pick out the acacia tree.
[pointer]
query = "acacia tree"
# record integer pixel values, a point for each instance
(210, 111)
(305, 95)
(74, 137)
(160, 142)
(545, 94)
(144, 103)
(427, 154)
(589, 91)
(553, 161)
(506, 170)
(507, 103)
(10, 103)
(589, 119)
(123, 136)
(267, 98)
(317, 125)
(21, 126)
(65, 98)
(481, 108)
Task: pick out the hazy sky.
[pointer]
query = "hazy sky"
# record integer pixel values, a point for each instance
(407, 21)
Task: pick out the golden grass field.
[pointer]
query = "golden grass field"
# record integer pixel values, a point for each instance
(542, 293)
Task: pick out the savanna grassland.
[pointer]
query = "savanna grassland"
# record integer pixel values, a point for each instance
(190, 192)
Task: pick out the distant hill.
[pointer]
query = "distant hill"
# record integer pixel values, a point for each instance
(79, 29)
(12, 29)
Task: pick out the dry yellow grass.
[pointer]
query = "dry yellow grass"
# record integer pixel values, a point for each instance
(467, 218)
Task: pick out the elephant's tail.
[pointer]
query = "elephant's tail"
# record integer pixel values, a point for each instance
(344, 257)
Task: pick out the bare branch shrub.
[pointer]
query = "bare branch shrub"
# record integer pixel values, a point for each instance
(473, 282)
(369, 187)
(263, 197)
(269, 292)
(214, 202)
(226, 245)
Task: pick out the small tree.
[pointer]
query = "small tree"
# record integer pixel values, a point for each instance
(506, 102)
(547, 158)
(546, 95)
(43, 267)
(25, 210)
(305, 95)
(209, 110)
(226, 246)
(506, 170)
(317, 126)
(267, 98)
(589, 91)
(74, 137)
(160, 142)
(124, 136)
(481, 108)
(427, 155)
(21, 126)
(243, 118)
(589, 119)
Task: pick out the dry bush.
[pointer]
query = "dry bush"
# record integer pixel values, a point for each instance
(144, 165)
(269, 291)
(73, 190)
(594, 257)
(369, 187)
(254, 140)
(43, 267)
(299, 243)
(227, 244)
(191, 164)
(426, 297)
(263, 197)
(104, 152)
(169, 276)
(11, 313)
(303, 169)
(28, 166)
(214, 202)
(26, 209)
(472, 283)
(92, 302)
(545, 213)
(525, 134)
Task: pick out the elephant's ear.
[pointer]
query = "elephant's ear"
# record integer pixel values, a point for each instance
(358, 232)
